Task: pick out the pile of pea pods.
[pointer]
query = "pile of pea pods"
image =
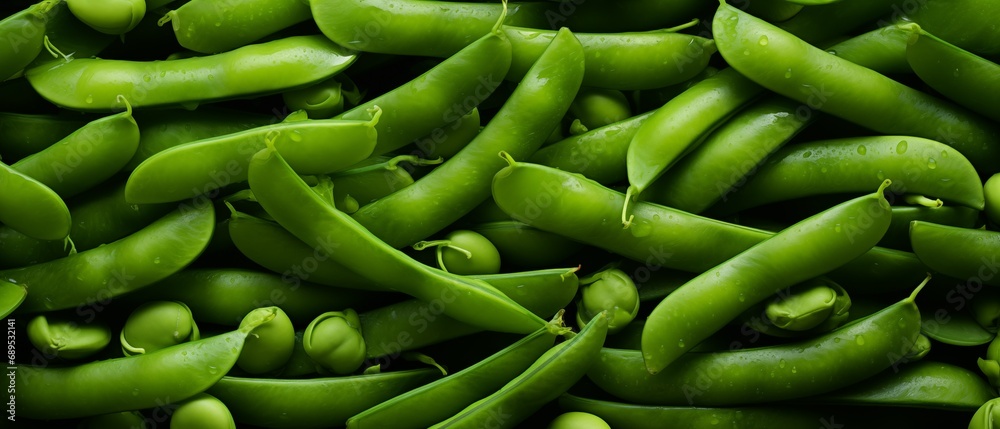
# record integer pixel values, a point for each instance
(493, 214)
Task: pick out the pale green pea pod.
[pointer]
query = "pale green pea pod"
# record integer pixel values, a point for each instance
(59, 337)
(324, 99)
(109, 16)
(990, 366)
(987, 416)
(609, 290)
(202, 411)
(269, 346)
(119, 420)
(578, 420)
(985, 308)
(156, 325)
(334, 341)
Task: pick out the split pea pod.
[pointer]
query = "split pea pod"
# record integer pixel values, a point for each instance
(915, 165)
(314, 219)
(312, 402)
(962, 253)
(847, 355)
(705, 304)
(31, 208)
(24, 32)
(210, 27)
(551, 375)
(88, 280)
(311, 146)
(126, 383)
(520, 127)
(792, 67)
(92, 84)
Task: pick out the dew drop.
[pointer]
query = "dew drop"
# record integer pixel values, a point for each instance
(89, 99)
(788, 73)
(746, 52)
(680, 344)
(794, 370)
(742, 298)
(862, 150)
(146, 78)
(156, 260)
(836, 339)
(931, 164)
(714, 421)
(807, 154)
(824, 170)
(901, 147)
(781, 363)
(213, 370)
(762, 41)
(860, 340)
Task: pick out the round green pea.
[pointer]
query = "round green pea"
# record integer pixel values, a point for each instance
(612, 291)
(991, 190)
(333, 340)
(109, 16)
(269, 346)
(578, 420)
(156, 325)
(202, 411)
(469, 252)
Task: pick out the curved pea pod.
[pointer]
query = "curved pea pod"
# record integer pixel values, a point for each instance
(32, 208)
(773, 10)
(898, 235)
(66, 338)
(87, 157)
(87, 280)
(436, 401)
(922, 383)
(11, 297)
(821, 364)
(634, 416)
(882, 49)
(315, 402)
(960, 75)
(446, 141)
(109, 17)
(310, 146)
(551, 375)
(915, 165)
(24, 32)
(968, 24)
(621, 60)
(67, 34)
(242, 72)
(125, 383)
(24, 134)
(210, 27)
(818, 24)
(962, 253)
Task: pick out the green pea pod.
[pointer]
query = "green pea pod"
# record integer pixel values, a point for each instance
(945, 308)
(365, 185)
(985, 309)
(882, 49)
(66, 33)
(446, 141)
(25, 134)
(620, 60)
(284, 195)
(109, 17)
(86, 280)
(788, 65)
(847, 355)
(960, 75)
(821, 23)
(24, 32)
(596, 107)
(269, 346)
(119, 420)
(963, 253)
(525, 247)
(991, 189)
(32, 208)
(436, 401)
(156, 325)
(987, 416)
(773, 10)
(47, 393)
(809, 308)
(682, 124)
(915, 165)
(11, 297)
(598, 154)
(551, 375)
(324, 99)
(66, 338)
(917, 384)
(210, 27)
(306, 403)
(898, 236)
(299, 60)
(86, 157)
(969, 24)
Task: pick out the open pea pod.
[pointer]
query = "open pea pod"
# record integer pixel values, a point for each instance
(945, 311)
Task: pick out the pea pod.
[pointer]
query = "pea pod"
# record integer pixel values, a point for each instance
(210, 27)
(837, 359)
(821, 23)
(87, 280)
(969, 24)
(11, 297)
(361, 186)
(64, 337)
(25, 134)
(551, 375)
(24, 30)
(47, 393)
(306, 403)
(706, 303)
(882, 50)
(963, 253)
(31, 208)
(242, 72)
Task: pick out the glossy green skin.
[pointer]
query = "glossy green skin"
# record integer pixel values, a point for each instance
(708, 302)
(209, 26)
(427, 28)
(682, 124)
(970, 24)
(436, 401)
(448, 140)
(526, 247)
(597, 107)
(915, 165)
(519, 128)
(545, 198)
(634, 416)
(729, 154)
(27, 28)
(110, 17)
(821, 23)
(307, 215)
(160, 130)
(624, 60)
(224, 295)
(599, 153)
(126, 383)
(67, 338)
(942, 322)
(11, 297)
(882, 50)
(24, 134)
(91, 84)
(578, 420)
(202, 411)
(925, 383)
(991, 190)
(311, 146)
(987, 416)
(32, 208)
(773, 10)
(898, 236)
(86, 157)
(365, 185)
(842, 357)
(551, 375)
(959, 75)
(71, 36)
(410, 325)
(440, 96)
(833, 85)
(962, 253)
(315, 402)
(88, 280)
